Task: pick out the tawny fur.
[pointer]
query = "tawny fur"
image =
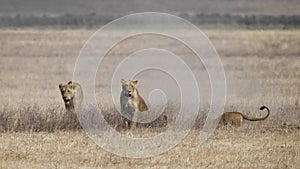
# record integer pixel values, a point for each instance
(236, 118)
(72, 95)
(133, 105)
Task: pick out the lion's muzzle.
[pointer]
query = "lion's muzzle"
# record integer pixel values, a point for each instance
(128, 94)
(66, 100)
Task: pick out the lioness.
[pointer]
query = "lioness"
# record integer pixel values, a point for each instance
(133, 106)
(236, 118)
(72, 95)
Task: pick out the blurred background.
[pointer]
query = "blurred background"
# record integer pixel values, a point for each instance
(90, 13)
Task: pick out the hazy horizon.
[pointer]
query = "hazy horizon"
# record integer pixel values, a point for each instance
(115, 7)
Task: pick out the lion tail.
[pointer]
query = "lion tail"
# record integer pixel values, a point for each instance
(258, 119)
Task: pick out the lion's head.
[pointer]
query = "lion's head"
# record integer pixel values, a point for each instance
(67, 92)
(129, 86)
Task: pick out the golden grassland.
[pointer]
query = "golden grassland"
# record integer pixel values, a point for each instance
(261, 66)
(236, 148)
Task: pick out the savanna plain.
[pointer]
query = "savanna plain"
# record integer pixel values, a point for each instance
(261, 66)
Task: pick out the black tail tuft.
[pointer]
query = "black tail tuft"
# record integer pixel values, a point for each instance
(262, 107)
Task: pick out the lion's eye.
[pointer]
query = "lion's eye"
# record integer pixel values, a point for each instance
(68, 90)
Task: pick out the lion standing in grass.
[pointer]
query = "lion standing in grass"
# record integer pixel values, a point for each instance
(133, 105)
(236, 118)
(72, 95)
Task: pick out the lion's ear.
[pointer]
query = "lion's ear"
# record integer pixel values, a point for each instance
(60, 85)
(70, 84)
(135, 83)
(122, 81)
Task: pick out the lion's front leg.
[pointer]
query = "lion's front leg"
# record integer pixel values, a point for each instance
(135, 119)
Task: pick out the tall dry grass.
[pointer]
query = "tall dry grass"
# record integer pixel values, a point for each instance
(34, 118)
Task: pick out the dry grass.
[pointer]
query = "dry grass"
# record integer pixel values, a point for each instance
(262, 67)
(236, 148)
